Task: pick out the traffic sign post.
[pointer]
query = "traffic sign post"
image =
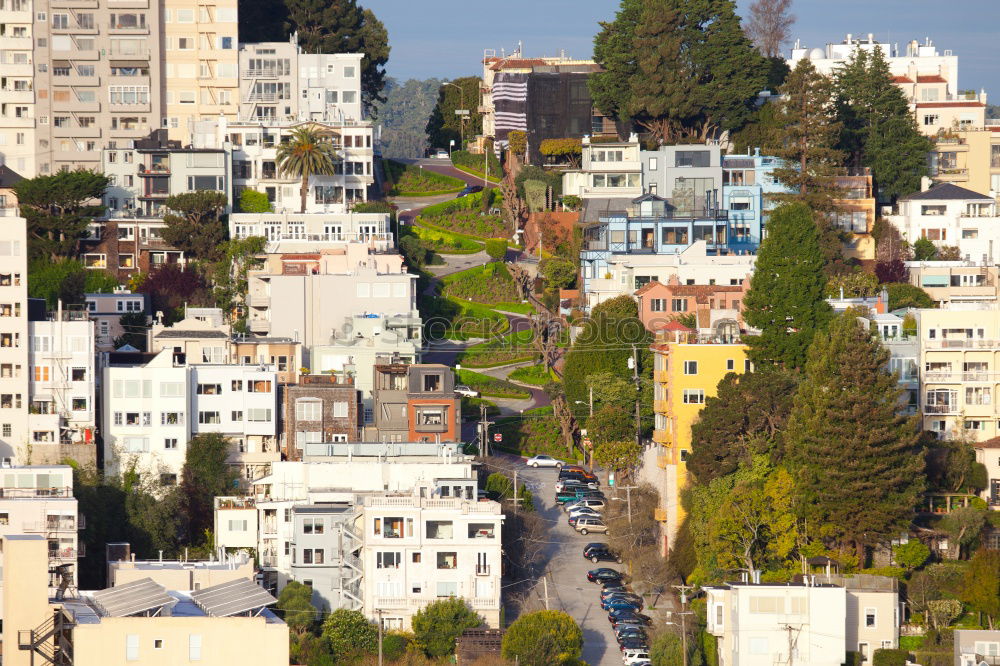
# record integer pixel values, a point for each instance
(498, 437)
(611, 479)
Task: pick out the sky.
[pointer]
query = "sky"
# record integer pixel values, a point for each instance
(446, 38)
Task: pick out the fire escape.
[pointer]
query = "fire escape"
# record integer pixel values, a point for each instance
(350, 570)
(51, 641)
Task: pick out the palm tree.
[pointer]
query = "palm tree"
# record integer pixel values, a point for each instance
(305, 154)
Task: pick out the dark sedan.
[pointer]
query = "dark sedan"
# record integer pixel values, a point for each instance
(629, 617)
(470, 189)
(603, 574)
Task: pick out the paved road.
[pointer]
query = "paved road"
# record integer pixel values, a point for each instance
(566, 569)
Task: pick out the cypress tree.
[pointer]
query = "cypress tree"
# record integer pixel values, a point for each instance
(857, 459)
(809, 134)
(785, 300)
(614, 51)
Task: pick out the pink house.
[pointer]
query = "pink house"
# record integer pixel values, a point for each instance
(661, 303)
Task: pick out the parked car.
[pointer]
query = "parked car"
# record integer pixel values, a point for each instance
(469, 189)
(629, 617)
(604, 573)
(635, 656)
(562, 484)
(571, 468)
(594, 503)
(468, 392)
(566, 496)
(634, 599)
(543, 461)
(618, 604)
(611, 589)
(587, 525)
(575, 518)
(440, 154)
(579, 475)
(634, 644)
(603, 554)
(583, 510)
(631, 632)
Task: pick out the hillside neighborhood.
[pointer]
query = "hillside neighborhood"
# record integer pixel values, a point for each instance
(679, 352)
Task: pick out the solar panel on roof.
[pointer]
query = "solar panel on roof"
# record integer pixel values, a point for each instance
(232, 598)
(132, 598)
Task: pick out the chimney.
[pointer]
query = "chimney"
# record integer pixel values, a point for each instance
(925, 183)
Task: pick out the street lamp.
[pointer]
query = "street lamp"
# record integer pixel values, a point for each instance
(461, 121)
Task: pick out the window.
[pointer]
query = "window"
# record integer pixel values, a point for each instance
(170, 443)
(930, 119)
(978, 395)
(171, 418)
(678, 305)
(131, 640)
(869, 617)
(658, 305)
(692, 158)
(388, 560)
(209, 389)
(440, 529)
(209, 418)
(690, 367)
(168, 479)
(236, 415)
(339, 410)
(432, 383)
(447, 560)
(988, 649)
(447, 589)
(307, 409)
(157, 643)
(79, 404)
(730, 364)
(312, 525)
(694, 396)
(259, 415)
(312, 555)
(416, 558)
(258, 386)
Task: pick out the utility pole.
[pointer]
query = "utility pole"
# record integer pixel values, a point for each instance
(545, 586)
(378, 611)
(591, 400)
(515, 499)
(484, 431)
(634, 363)
(684, 589)
(628, 499)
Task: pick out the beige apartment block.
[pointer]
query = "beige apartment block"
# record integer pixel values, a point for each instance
(17, 96)
(201, 63)
(14, 369)
(96, 78)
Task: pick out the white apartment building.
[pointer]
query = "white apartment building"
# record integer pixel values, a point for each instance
(810, 624)
(38, 499)
(278, 80)
(201, 64)
(628, 272)
(14, 368)
(18, 144)
(290, 295)
(294, 232)
(927, 76)
(63, 400)
(607, 170)
(950, 215)
(152, 410)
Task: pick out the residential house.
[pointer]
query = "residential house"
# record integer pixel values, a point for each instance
(687, 369)
(988, 455)
(546, 98)
(38, 500)
(815, 622)
(609, 170)
(106, 310)
(416, 403)
(62, 395)
(661, 303)
(138, 622)
(948, 282)
(124, 569)
(320, 408)
(278, 80)
(950, 215)
(969, 158)
(239, 402)
(419, 549)
(974, 647)
(14, 368)
(748, 181)
(855, 212)
(290, 232)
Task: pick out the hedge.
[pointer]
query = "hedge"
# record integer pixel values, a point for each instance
(410, 180)
(489, 284)
(511, 348)
(491, 386)
(442, 242)
(466, 161)
(536, 375)
(472, 201)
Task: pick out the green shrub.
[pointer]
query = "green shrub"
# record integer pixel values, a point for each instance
(510, 348)
(551, 178)
(469, 223)
(535, 375)
(375, 207)
(412, 179)
(440, 241)
(887, 657)
(496, 248)
(910, 642)
(535, 194)
(476, 163)
(252, 201)
(491, 386)
(572, 202)
(489, 284)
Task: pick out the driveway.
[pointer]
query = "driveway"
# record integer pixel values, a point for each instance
(566, 571)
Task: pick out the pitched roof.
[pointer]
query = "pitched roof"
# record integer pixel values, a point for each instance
(931, 78)
(675, 326)
(988, 444)
(9, 177)
(902, 79)
(947, 192)
(931, 105)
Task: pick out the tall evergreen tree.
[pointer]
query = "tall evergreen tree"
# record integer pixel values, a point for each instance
(785, 300)
(614, 51)
(58, 209)
(444, 124)
(342, 26)
(808, 136)
(857, 459)
(879, 130)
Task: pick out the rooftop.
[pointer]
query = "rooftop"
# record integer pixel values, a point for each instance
(173, 333)
(947, 192)
(9, 177)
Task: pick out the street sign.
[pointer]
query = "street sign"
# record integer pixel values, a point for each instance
(451, 143)
(587, 443)
(498, 437)
(611, 479)
(461, 112)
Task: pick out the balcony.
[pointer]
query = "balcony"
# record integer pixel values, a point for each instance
(962, 343)
(389, 603)
(257, 300)
(660, 514)
(484, 604)
(154, 170)
(940, 409)
(15, 96)
(661, 406)
(482, 570)
(9, 43)
(261, 73)
(661, 377)
(269, 560)
(662, 437)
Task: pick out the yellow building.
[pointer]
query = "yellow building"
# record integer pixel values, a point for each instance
(968, 158)
(687, 370)
(140, 622)
(201, 64)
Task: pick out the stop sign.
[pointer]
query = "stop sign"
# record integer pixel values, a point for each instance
(498, 437)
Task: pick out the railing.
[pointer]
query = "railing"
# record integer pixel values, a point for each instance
(958, 343)
(482, 570)
(262, 97)
(485, 603)
(269, 560)
(393, 602)
(940, 409)
(7, 493)
(269, 72)
(235, 503)
(51, 526)
(66, 553)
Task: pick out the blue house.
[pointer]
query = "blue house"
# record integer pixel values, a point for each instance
(747, 180)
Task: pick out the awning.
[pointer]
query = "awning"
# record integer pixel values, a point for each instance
(60, 63)
(129, 63)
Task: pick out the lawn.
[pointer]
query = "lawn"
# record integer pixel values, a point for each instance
(411, 180)
(490, 284)
(446, 318)
(467, 215)
(510, 348)
(442, 242)
(475, 164)
(491, 387)
(536, 375)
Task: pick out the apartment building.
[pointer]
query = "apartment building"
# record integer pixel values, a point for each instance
(748, 181)
(320, 408)
(958, 358)
(106, 311)
(38, 500)
(201, 64)
(151, 410)
(815, 622)
(950, 282)
(176, 574)
(974, 647)
(296, 233)
(416, 403)
(950, 215)
(140, 622)
(687, 369)
(660, 303)
(96, 80)
(62, 406)
(14, 368)
(278, 80)
(969, 158)
(608, 170)
(317, 504)
(18, 143)
(255, 165)
(289, 294)
(420, 549)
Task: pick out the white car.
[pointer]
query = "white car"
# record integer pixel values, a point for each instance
(589, 502)
(562, 484)
(635, 657)
(583, 511)
(441, 154)
(543, 461)
(462, 389)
